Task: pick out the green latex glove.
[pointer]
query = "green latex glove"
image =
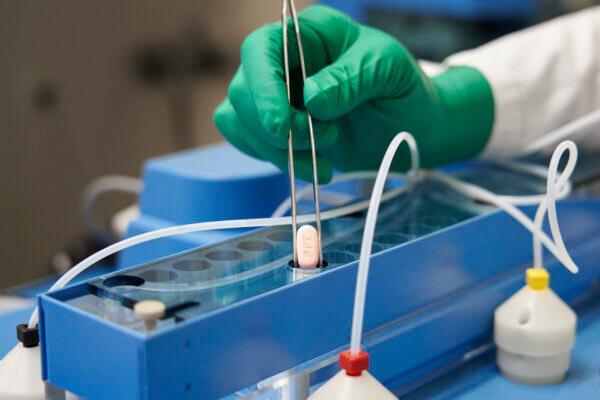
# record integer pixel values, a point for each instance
(363, 88)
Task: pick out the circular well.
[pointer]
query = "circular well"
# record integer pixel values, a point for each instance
(391, 238)
(355, 248)
(158, 275)
(192, 265)
(338, 257)
(280, 236)
(255, 245)
(417, 230)
(224, 255)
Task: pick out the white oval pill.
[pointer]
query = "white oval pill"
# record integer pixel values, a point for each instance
(308, 247)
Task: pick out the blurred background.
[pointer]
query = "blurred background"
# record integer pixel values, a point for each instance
(95, 88)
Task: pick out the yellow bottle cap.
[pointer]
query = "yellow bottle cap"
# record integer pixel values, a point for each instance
(537, 278)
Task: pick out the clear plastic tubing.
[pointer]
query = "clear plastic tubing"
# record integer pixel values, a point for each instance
(553, 187)
(369, 232)
(475, 192)
(536, 170)
(97, 188)
(562, 133)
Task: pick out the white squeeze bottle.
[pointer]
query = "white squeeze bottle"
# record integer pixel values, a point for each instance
(534, 331)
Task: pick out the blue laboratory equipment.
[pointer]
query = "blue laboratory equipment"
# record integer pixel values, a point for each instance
(240, 323)
(434, 29)
(471, 9)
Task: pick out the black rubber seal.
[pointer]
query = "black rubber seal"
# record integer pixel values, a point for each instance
(292, 265)
(30, 337)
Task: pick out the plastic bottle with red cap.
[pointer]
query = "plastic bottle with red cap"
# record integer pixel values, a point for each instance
(353, 382)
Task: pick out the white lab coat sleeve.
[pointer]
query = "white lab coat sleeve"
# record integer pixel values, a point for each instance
(541, 77)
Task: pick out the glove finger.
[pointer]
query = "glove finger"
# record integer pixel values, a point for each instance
(304, 171)
(253, 144)
(302, 162)
(234, 130)
(264, 70)
(243, 102)
(326, 133)
(362, 73)
(246, 108)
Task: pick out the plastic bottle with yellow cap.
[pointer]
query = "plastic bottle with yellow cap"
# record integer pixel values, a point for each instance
(534, 331)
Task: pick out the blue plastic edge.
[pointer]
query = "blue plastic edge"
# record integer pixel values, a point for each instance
(472, 9)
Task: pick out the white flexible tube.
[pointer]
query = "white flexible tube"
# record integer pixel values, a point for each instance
(99, 187)
(531, 169)
(199, 227)
(564, 192)
(553, 187)
(561, 133)
(478, 193)
(369, 232)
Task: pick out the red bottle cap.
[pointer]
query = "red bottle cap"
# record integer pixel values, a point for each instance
(354, 364)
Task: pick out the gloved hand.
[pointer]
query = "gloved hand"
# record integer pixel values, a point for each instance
(363, 88)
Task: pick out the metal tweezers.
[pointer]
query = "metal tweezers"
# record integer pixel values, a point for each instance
(290, 8)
